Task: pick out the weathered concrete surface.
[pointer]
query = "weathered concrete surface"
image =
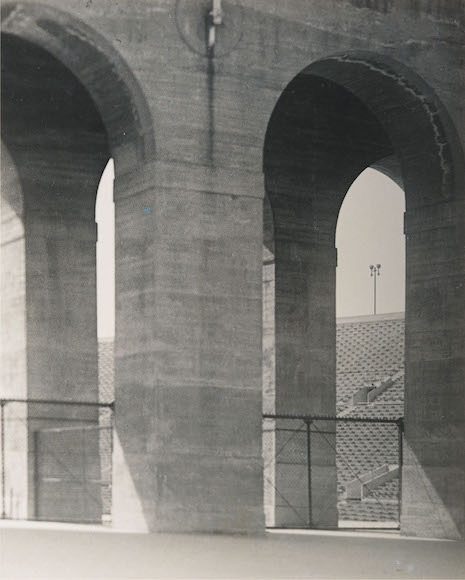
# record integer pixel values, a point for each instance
(306, 365)
(191, 435)
(56, 141)
(189, 225)
(58, 144)
(13, 286)
(434, 473)
(14, 355)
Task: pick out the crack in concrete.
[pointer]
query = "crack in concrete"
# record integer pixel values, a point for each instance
(431, 112)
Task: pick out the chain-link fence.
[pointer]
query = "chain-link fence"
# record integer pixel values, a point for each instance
(56, 465)
(332, 471)
(56, 460)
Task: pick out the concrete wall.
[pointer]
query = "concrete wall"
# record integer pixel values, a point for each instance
(189, 381)
(186, 130)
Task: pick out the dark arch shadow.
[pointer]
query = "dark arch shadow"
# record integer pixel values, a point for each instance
(99, 67)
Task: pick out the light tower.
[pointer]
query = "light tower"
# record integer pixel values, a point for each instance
(374, 272)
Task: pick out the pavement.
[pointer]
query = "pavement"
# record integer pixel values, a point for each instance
(50, 551)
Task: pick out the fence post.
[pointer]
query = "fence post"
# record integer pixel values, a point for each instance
(2, 422)
(400, 427)
(35, 448)
(309, 471)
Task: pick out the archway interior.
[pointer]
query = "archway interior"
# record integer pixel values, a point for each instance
(59, 146)
(370, 345)
(369, 229)
(58, 142)
(71, 103)
(320, 138)
(333, 121)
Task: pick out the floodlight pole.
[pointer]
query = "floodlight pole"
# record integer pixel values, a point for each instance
(374, 272)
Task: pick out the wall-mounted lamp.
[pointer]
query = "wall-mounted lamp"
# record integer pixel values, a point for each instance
(215, 18)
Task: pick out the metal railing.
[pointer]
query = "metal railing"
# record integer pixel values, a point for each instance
(56, 460)
(328, 472)
(319, 471)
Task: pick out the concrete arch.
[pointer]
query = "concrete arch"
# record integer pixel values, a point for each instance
(390, 166)
(337, 117)
(101, 70)
(408, 113)
(409, 110)
(70, 103)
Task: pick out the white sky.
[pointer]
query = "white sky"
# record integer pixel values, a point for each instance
(105, 218)
(369, 231)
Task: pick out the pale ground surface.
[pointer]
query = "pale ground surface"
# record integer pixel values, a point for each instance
(52, 551)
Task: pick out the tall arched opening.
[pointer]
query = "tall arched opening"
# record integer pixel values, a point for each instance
(69, 104)
(370, 230)
(336, 118)
(370, 367)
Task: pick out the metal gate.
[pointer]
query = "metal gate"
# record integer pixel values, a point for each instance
(67, 474)
(56, 460)
(327, 472)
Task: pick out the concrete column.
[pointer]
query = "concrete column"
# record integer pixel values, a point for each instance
(305, 327)
(13, 371)
(268, 361)
(62, 365)
(61, 341)
(13, 282)
(61, 306)
(49, 236)
(188, 350)
(433, 477)
(305, 372)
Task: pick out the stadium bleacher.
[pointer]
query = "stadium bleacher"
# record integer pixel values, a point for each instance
(370, 384)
